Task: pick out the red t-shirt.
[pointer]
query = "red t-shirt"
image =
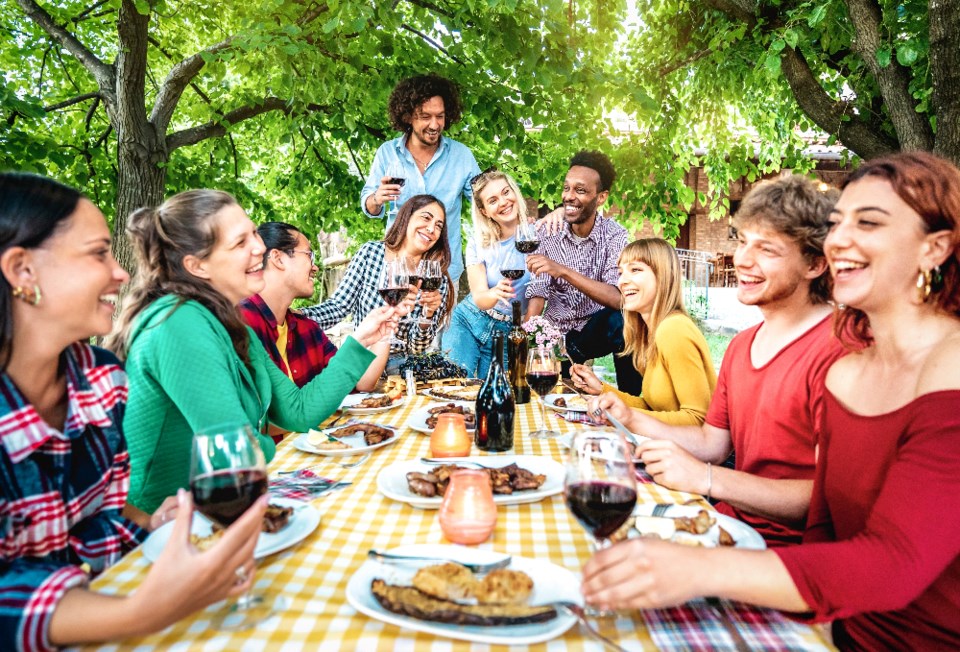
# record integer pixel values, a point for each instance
(772, 414)
(882, 550)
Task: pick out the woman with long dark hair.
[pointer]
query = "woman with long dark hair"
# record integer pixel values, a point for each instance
(64, 468)
(419, 233)
(192, 362)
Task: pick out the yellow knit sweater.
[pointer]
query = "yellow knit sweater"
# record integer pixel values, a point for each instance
(679, 382)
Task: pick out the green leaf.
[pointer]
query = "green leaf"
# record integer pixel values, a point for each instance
(772, 64)
(816, 16)
(791, 37)
(142, 7)
(883, 56)
(777, 45)
(907, 55)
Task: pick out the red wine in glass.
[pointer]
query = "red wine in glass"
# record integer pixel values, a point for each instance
(600, 507)
(398, 181)
(431, 283)
(512, 274)
(414, 279)
(526, 246)
(393, 296)
(542, 382)
(223, 496)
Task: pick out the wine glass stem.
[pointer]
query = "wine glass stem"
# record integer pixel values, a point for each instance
(543, 414)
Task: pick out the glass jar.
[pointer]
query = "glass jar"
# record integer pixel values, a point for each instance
(449, 437)
(468, 514)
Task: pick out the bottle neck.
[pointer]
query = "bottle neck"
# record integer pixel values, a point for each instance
(516, 314)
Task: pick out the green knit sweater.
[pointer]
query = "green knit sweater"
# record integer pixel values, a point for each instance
(184, 376)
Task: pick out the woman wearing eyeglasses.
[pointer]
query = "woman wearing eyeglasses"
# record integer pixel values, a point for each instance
(498, 209)
(296, 344)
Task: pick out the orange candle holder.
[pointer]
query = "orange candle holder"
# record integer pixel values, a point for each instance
(468, 514)
(449, 438)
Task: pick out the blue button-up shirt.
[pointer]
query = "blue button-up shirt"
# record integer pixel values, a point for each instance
(447, 178)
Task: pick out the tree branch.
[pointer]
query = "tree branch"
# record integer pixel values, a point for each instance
(73, 100)
(834, 117)
(677, 65)
(913, 131)
(130, 110)
(431, 42)
(216, 128)
(177, 80)
(101, 72)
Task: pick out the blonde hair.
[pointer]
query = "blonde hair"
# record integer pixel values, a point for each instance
(640, 337)
(486, 230)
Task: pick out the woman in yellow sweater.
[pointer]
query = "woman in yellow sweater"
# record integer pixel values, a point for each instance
(666, 346)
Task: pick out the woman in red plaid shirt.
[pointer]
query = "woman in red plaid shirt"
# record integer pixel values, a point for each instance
(64, 467)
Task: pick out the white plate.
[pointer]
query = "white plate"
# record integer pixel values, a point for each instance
(550, 398)
(348, 403)
(355, 442)
(392, 481)
(743, 534)
(550, 582)
(303, 521)
(468, 388)
(418, 420)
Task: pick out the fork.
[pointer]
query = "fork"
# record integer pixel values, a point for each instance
(476, 567)
(350, 465)
(660, 509)
(577, 612)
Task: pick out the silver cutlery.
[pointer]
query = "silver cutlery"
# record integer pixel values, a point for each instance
(476, 567)
(578, 612)
(350, 465)
(740, 644)
(439, 461)
(660, 509)
(622, 428)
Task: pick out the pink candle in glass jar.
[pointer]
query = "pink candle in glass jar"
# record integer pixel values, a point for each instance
(468, 513)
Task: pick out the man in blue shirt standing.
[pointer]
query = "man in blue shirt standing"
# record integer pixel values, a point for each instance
(422, 161)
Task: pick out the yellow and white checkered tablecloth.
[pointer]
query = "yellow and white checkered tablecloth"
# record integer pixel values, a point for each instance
(313, 575)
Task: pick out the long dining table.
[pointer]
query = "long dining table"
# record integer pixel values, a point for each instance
(313, 574)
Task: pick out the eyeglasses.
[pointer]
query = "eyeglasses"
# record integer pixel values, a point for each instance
(310, 253)
(479, 177)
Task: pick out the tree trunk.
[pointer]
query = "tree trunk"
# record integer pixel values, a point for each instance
(141, 181)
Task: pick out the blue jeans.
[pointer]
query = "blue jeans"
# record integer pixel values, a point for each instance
(469, 339)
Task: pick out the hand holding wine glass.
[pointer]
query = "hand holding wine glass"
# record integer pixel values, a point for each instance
(431, 277)
(543, 373)
(228, 474)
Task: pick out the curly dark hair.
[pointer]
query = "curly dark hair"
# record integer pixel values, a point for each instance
(598, 162)
(409, 94)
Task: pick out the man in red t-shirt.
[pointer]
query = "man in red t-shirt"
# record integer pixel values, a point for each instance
(769, 394)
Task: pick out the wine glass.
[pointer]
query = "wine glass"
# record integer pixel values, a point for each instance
(527, 239)
(228, 474)
(599, 487)
(431, 276)
(394, 286)
(513, 265)
(397, 176)
(543, 372)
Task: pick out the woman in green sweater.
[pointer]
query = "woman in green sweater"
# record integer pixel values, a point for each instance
(192, 363)
(666, 346)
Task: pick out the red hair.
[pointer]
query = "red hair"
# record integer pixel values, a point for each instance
(931, 187)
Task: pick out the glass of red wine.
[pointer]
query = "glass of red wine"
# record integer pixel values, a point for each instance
(227, 475)
(430, 276)
(543, 372)
(527, 240)
(397, 178)
(394, 286)
(600, 489)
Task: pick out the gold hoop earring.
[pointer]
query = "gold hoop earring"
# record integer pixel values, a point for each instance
(29, 296)
(924, 281)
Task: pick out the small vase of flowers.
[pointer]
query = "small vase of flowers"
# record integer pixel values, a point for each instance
(542, 333)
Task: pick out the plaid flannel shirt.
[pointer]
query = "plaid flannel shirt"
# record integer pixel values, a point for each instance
(308, 347)
(357, 294)
(62, 494)
(595, 257)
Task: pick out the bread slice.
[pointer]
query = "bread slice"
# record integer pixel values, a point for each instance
(448, 581)
(504, 586)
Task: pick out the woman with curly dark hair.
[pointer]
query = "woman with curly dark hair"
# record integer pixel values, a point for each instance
(422, 161)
